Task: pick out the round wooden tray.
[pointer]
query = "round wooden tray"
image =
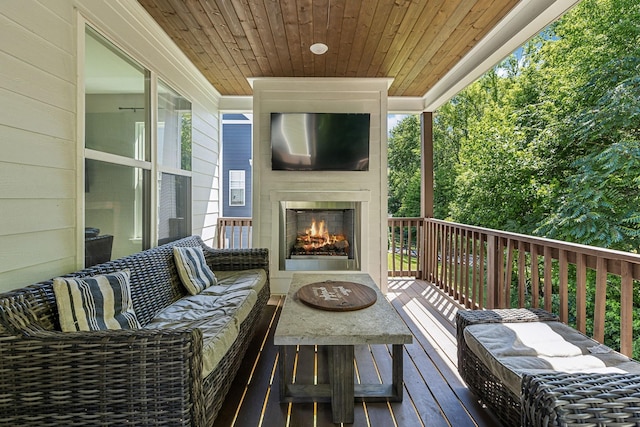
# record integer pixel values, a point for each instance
(337, 296)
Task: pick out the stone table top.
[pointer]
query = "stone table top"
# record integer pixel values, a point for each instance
(301, 324)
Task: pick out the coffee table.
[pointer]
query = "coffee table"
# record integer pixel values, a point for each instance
(301, 324)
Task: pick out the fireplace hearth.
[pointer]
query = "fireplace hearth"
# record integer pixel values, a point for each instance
(320, 235)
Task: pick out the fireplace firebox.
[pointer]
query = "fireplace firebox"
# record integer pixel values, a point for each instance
(320, 236)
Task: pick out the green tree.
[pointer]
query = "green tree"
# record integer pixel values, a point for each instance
(404, 168)
(596, 201)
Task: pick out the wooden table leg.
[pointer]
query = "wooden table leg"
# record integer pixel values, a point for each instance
(342, 385)
(282, 366)
(397, 367)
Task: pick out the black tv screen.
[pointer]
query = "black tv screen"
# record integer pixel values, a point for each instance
(320, 141)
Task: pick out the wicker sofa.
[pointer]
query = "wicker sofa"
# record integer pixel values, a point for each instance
(531, 369)
(148, 376)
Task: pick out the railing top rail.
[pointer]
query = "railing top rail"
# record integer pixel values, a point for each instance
(406, 218)
(234, 218)
(568, 246)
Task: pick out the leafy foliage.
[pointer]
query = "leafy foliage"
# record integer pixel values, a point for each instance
(404, 168)
(547, 143)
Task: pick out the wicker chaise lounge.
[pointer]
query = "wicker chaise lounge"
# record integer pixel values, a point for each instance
(155, 375)
(530, 369)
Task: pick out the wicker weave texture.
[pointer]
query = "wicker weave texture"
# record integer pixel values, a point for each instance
(481, 381)
(561, 399)
(114, 378)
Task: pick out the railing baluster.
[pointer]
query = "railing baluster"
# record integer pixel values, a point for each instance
(447, 278)
(522, 277)
(535, 277)
(458, 271)
(493, 285)
(548, 270)
(481, 271)
(467, 299)
(443, 262)
(507, 273)
(474, 271)
(626, 309)
(564, 286)
(501, 282)
(411, 227)
(601, 300)
(393, 246)
(581, 293)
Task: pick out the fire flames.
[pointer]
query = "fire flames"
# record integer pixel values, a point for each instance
(318, 241)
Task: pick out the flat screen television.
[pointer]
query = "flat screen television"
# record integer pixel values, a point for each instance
(320, 141)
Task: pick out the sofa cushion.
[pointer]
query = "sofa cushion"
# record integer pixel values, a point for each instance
(218, 334)
(236, 304)
(193, 269)
(218, 317)
(229, 281)
(95, 303)
(511, 349)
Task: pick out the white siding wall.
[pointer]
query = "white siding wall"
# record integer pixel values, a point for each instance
(40, 161)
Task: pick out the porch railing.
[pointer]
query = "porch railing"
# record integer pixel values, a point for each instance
(234, 233)
(406, 242)
(484, 268)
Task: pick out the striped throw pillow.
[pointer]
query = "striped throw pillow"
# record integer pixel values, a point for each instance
(194, 272)
(95, 303)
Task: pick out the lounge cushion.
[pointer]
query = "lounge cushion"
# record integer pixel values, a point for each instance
(218, 317)
(193, 270)
(218, 334)
(229, 281)
(511, 349)
(95, 303)
(195, 307)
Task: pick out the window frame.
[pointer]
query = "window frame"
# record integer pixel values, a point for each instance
(148, 228)
(243, 187)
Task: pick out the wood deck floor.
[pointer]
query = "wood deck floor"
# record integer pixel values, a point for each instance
(434, 394)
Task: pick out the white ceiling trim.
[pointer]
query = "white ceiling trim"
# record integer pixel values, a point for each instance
(526, 20)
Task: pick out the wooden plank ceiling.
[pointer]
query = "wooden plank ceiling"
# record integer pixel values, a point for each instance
(414, 41)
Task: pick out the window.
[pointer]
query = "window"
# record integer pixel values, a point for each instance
(117, 154)
(174, 157)
(119, 148)
(236, 188)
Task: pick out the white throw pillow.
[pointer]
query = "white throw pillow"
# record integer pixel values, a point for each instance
(194, 272)
(95, 303)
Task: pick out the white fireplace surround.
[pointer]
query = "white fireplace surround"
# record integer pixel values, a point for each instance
(366, 188)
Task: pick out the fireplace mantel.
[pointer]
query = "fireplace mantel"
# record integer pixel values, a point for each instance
(320, 196)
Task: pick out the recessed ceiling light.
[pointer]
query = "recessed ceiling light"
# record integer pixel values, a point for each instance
(319, 48)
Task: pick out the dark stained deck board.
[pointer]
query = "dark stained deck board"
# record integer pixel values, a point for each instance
(404, 412)
(439, 351)
(262, 354)
(434, 395)
(378, 413)
(422, 397)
